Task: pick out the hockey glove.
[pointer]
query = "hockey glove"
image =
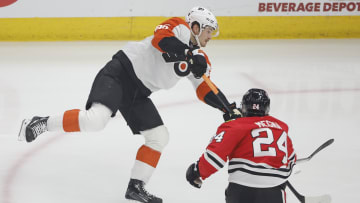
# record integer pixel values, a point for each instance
(193, 175)
(197, 63)
(235, 112)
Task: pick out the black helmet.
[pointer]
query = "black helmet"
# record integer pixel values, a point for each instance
(255, 102)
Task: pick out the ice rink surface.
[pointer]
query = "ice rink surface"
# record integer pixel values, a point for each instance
(314, 86)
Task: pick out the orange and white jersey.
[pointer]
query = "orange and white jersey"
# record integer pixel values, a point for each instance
(148, 63)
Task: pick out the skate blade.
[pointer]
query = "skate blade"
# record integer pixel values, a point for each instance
(21, 135)
(131, 201)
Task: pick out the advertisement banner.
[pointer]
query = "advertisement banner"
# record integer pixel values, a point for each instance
(307, 8)
(116, 8)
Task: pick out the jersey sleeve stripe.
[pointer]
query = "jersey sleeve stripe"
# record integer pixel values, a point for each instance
(202, 90)
(212, 161)
(217, 158)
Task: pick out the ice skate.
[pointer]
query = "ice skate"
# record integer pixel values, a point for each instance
(137, 192)
(31, 129)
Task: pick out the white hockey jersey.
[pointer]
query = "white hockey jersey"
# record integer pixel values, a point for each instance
(149, 65)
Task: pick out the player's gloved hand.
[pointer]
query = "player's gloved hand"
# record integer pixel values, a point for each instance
(235, 112)
(197, 63)
(193, 175)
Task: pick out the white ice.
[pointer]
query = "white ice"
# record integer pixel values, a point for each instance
(314, 86)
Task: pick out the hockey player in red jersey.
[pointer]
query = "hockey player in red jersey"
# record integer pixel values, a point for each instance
(260, 154)
(126, 82)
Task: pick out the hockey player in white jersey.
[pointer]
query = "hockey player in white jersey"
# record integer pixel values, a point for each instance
(125, 83)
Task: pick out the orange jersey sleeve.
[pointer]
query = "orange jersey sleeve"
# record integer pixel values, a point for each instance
(202, 90)
(166, 29)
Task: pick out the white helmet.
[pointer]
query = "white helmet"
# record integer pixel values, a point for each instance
(204, 18)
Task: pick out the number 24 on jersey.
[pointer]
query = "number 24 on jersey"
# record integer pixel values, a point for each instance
(267, 140)
(281, 143)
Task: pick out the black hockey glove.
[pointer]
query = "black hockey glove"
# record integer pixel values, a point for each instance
(193, 175)
(235, 112)
(197, 63)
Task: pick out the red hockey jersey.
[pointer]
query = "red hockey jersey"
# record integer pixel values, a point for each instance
(259, 151)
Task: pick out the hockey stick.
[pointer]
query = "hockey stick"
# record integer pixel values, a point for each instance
(216, 92)
(309, 199)
(327, 143)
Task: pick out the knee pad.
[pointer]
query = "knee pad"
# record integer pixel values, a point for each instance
(156, 138)
(94, 119)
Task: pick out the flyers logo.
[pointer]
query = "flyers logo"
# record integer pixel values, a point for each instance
(4, 3)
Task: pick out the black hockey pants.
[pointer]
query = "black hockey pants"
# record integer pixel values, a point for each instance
(236, 193)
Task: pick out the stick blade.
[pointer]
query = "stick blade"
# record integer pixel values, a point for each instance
(327, 143)
(324, 145)
(318, 199)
